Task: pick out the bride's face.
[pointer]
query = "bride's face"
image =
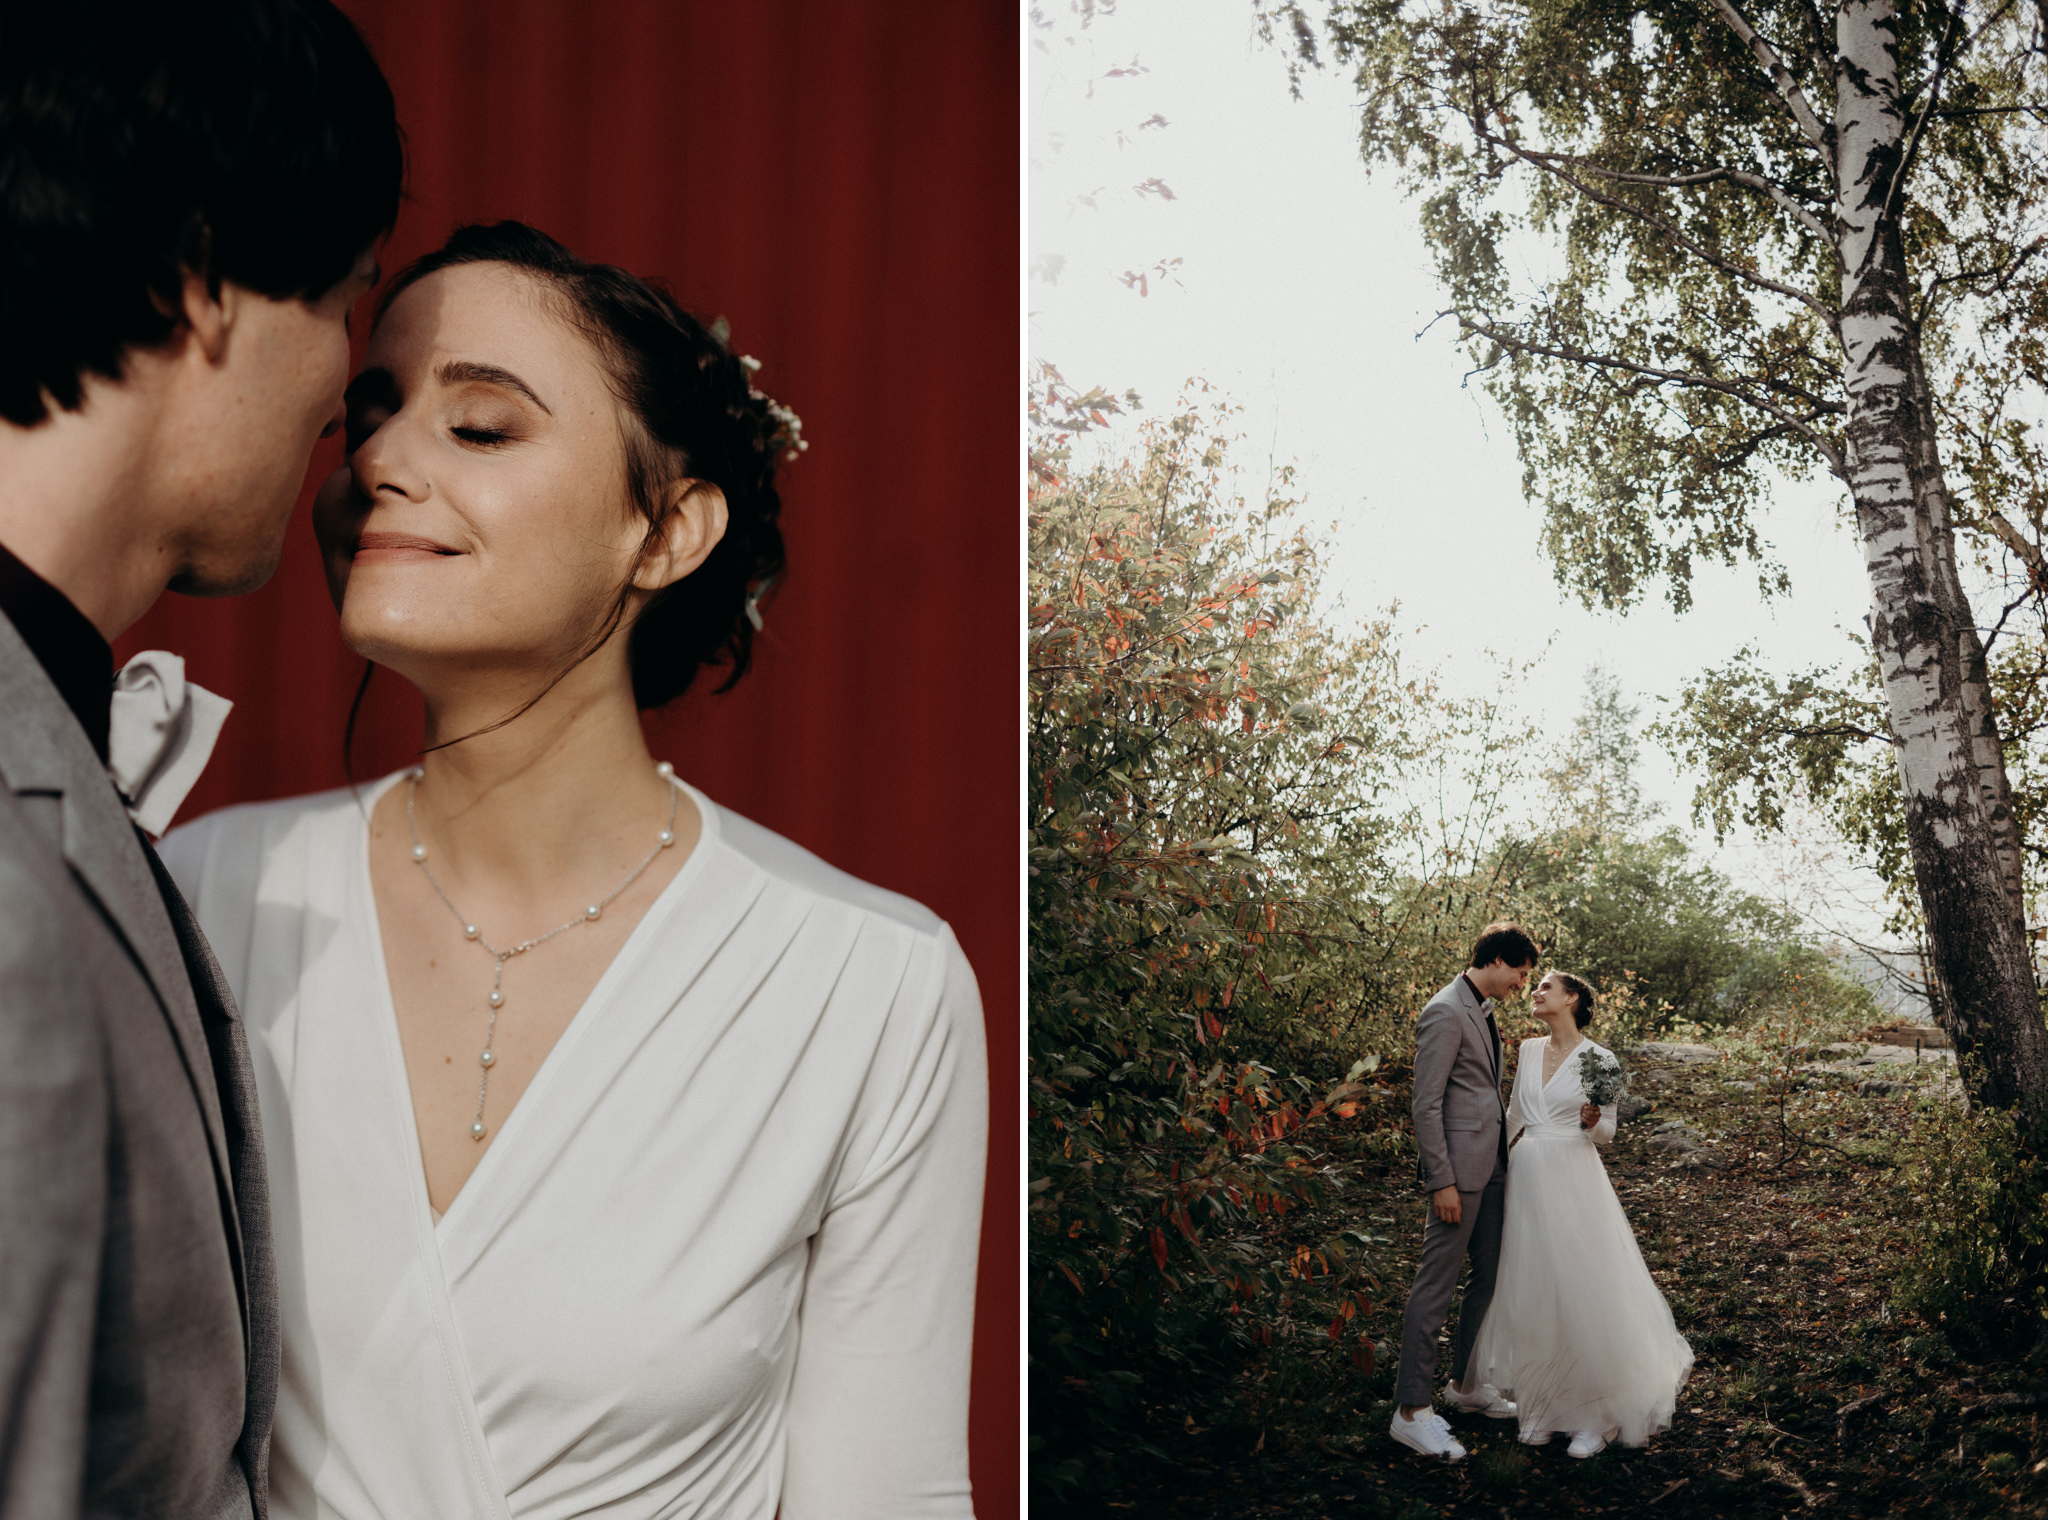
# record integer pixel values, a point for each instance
(482, 517)
(1551, 999)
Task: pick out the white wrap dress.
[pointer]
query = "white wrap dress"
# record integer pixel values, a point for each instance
(1578, 1334)
(719, 1257)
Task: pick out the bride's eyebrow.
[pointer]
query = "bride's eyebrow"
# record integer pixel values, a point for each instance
(468, 371)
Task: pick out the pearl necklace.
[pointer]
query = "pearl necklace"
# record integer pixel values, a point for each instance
(1549, 1071)
(489, 1058)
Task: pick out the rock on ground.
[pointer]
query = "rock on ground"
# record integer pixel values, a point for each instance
(1659, 1050)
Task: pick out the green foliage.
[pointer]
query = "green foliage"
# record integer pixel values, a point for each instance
(1979, 1265)
(1761, 743)
(1639, 913)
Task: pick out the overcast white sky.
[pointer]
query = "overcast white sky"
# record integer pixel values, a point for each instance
(1301, 288)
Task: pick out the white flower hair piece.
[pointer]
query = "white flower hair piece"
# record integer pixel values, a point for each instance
(789, 428)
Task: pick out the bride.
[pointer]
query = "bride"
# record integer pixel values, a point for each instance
(1578, 1335)
(625, 1158)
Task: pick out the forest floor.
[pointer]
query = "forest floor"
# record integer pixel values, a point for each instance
(1811, 1391)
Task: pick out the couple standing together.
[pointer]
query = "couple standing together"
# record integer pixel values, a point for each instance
(1562, 1328)
(521, 1134)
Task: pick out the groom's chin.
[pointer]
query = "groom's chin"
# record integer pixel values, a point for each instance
(225, 575)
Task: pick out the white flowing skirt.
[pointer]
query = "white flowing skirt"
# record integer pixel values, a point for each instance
(1578, 1334)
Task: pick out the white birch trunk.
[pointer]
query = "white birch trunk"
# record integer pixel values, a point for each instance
(1959, 821)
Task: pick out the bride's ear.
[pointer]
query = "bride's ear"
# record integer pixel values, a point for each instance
(690, 530)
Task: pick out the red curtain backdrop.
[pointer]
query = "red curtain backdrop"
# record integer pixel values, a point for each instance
(838, 178)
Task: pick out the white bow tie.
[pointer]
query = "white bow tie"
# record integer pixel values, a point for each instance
(161, 735)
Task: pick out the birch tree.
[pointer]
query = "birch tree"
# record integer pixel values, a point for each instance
(1772, 237)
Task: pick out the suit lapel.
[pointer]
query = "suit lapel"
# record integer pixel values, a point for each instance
(43, 750)
(1475, 1015)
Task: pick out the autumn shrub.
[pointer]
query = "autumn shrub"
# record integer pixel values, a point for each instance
(1979, 1263)
(1210, 776)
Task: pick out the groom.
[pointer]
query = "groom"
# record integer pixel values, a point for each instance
(191, 190)
(1462, 1160)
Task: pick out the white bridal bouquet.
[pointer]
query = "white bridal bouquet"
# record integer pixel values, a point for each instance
(1601, 1076)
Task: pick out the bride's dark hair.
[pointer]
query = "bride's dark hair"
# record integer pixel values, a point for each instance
(695, 415)
(1582, 1012)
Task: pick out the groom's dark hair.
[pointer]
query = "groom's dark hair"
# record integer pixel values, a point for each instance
(1507, 942)
(251, 141)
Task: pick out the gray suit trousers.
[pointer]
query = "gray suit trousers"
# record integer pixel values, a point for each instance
(1444, 1249)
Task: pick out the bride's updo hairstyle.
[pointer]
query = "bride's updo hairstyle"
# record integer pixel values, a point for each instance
(691, 413)
(1582, 1011)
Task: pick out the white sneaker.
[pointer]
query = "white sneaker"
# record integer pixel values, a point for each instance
(1584, 1444)
(1485, 1399)
(1536, 1437)
(1426, 1433)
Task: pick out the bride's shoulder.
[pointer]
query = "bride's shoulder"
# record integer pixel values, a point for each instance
(813, 879)
(235, 841)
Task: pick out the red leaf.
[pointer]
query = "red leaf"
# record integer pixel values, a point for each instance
(1158, 1248)
(1362, 1354)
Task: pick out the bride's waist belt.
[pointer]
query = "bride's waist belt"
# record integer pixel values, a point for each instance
(1570, 1127)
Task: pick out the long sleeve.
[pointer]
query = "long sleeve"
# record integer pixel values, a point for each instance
(1603, 1132)
(1436, 1046)
(878, 1408)
(53, 1175)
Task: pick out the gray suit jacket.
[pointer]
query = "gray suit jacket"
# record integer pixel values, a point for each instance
(138, 1300)
(1456, 1106)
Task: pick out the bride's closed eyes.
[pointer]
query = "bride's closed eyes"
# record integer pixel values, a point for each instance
(373, 397)
(483, 437)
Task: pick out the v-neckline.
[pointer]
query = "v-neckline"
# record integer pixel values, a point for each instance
(1563, 1061)
(708, 833)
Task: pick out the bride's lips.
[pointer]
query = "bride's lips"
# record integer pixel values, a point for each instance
(379, 548)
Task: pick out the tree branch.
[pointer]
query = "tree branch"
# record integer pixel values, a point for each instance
(1801, 426)
(1550, 163)
(2028, 553)
(1943, 57)
(1782, 82)
(1772, 188)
